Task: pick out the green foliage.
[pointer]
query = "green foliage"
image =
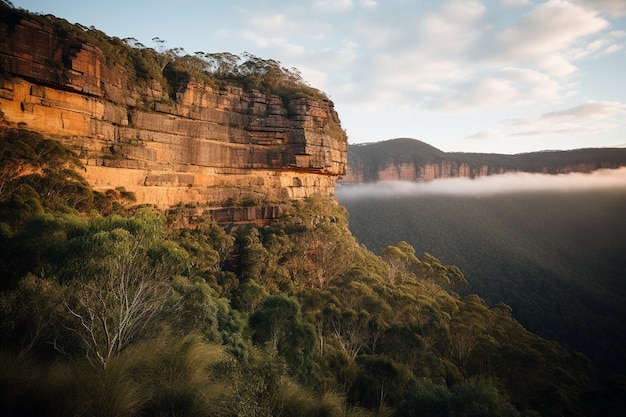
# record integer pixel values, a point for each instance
(37, 172)
(33, 247)
(118, 277)
(194, 307)
(164, 376)
(30, 388)
(28, 314)
(184, 377)
(556, 259)
(252, 72)
(125, 314)
(253, 255)
(478, 396)
(277, 325)
(401, 261)
(380, 381)
(297, 401)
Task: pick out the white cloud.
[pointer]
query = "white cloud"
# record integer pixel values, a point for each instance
(430, 57)
(508, 88)
(605, 45)
(613, 48)
(409, 51)
(543, 36)
(462, 10)
(557, 65)
(483, 93)
(611, 7)
(534, 86)
(551, 27)
(333, 5)
(589, 117)
(591, 110)
(453, 27)
(369, 4)
(276, 22)
(486, 134)
(515, 3)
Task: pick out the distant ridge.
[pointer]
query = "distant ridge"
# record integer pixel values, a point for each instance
(414, 160)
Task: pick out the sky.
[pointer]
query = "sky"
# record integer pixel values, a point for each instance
(498, 76)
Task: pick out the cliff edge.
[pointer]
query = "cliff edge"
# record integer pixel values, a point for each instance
(167, 142)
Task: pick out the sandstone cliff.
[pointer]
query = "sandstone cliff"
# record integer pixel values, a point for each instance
(196, 142)
(413, 160)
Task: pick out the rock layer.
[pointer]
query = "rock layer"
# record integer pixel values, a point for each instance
(203, 144)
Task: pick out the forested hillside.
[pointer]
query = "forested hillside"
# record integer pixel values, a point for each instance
(109, 309)
(557, 258)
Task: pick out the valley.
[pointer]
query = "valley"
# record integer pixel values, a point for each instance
(557, 258)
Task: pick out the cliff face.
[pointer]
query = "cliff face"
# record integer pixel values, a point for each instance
(425, 171)
(202, 144)
(412, 160)
(428, 171)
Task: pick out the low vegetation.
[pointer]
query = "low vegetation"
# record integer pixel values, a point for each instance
(108, 310)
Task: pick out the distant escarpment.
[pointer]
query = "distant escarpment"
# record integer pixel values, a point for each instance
(413, 160)
(160, 125)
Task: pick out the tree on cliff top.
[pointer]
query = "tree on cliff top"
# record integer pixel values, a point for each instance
(165, 55)
(253, 72)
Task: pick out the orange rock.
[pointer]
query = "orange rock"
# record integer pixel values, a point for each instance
(205, 146)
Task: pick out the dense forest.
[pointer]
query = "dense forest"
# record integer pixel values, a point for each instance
(556, 258)
(110, 309)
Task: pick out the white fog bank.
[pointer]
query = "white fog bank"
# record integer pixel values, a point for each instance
(496, 184)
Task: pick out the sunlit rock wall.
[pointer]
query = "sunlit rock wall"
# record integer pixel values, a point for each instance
(205, 144)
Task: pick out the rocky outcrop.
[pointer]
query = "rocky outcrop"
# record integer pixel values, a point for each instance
(231, 217)
(202, 143)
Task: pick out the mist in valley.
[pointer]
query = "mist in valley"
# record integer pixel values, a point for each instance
(509, 183)
(553, 247)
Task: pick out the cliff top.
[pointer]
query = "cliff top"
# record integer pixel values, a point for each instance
(167, 126)
(173, 67)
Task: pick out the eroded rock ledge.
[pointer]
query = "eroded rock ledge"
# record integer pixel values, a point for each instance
(203, 144)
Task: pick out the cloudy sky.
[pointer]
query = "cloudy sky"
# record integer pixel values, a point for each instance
(504, 76)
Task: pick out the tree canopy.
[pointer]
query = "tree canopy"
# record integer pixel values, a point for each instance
(118, 312)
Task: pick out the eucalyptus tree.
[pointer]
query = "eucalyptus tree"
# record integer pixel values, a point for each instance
(278, 326)
(118, 276)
